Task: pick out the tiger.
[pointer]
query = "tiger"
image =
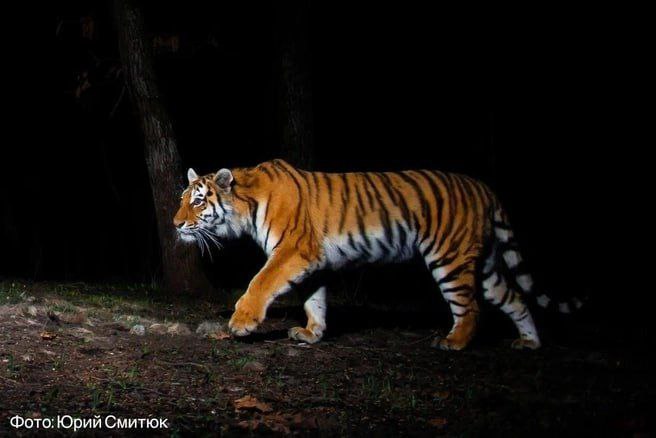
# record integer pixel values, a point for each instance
(307, 222)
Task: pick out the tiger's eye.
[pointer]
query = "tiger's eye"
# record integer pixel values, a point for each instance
(197, 201)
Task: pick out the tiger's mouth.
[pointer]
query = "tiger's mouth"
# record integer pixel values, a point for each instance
(187, 235)
(203, 237)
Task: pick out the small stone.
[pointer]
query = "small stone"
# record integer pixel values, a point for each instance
(255, 366)
(81, 332)
(74, 318)
(210, 329)
(31, 310)
(158, 329)
(179, 329)
(138, 330)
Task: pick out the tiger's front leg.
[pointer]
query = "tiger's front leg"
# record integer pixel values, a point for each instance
(284, 267)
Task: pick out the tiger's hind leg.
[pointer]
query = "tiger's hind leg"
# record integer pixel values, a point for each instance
(457, 284)
(497, 292)
(315, 309)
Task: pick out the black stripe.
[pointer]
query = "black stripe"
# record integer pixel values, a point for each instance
(266, 171)
(254, 210)
(444, 261)
(457, 303)
(453, 274)
(384, 248)
(345, 198)
(399, 199)
(504, 298)
(315, 180)
(279, 240)
(386, 184)
(329, 185)
(363, 231)
(438, 214)
(358, 197)
(266, 239)
(351, 242)
(523, 317)
(367, 192)
(371, 184)
(382, 212)
(298, 188)
(451, 290)
(402, 235)
(453, 206)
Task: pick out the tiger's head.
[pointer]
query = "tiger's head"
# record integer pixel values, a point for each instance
(209, 210)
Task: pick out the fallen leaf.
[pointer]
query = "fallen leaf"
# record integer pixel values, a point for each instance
(249, 402)
(274, 422)
(250, 424)
(438, 422)
(45, 335)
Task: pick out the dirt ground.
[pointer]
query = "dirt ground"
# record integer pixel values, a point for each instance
(70, 349)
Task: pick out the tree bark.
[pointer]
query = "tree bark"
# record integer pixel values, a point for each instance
(295, 87)
(182, 271)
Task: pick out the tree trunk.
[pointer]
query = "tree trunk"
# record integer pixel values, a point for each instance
(295, 88)
(182, 271)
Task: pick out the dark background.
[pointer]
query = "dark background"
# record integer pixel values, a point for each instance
(524, 104)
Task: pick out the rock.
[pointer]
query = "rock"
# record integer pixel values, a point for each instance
(210, 329)
(74, 318)
(30, 310)
(81, 332)
(138, 330)
(179, 329)
(255, 366)
(158, 329)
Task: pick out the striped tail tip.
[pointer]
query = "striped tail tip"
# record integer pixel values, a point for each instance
(543, 300)
(567, 307)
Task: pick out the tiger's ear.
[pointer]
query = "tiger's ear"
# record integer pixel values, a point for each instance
(223, 179)
(192, 175)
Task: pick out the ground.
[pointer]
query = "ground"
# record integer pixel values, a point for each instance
(74, 349)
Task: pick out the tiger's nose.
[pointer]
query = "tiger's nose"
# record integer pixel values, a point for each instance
(178, 223)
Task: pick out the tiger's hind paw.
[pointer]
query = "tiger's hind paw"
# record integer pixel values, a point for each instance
(448, 344)
(303, 335)
(528, 344)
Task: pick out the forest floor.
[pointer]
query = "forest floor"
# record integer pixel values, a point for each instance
(74, 350)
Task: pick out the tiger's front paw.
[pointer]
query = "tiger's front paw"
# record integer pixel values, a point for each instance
(245, 319)
(304, 335)
(448, 343)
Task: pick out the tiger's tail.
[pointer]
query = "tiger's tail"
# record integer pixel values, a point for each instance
(509, 256)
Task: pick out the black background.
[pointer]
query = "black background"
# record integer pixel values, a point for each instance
(522, 99)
